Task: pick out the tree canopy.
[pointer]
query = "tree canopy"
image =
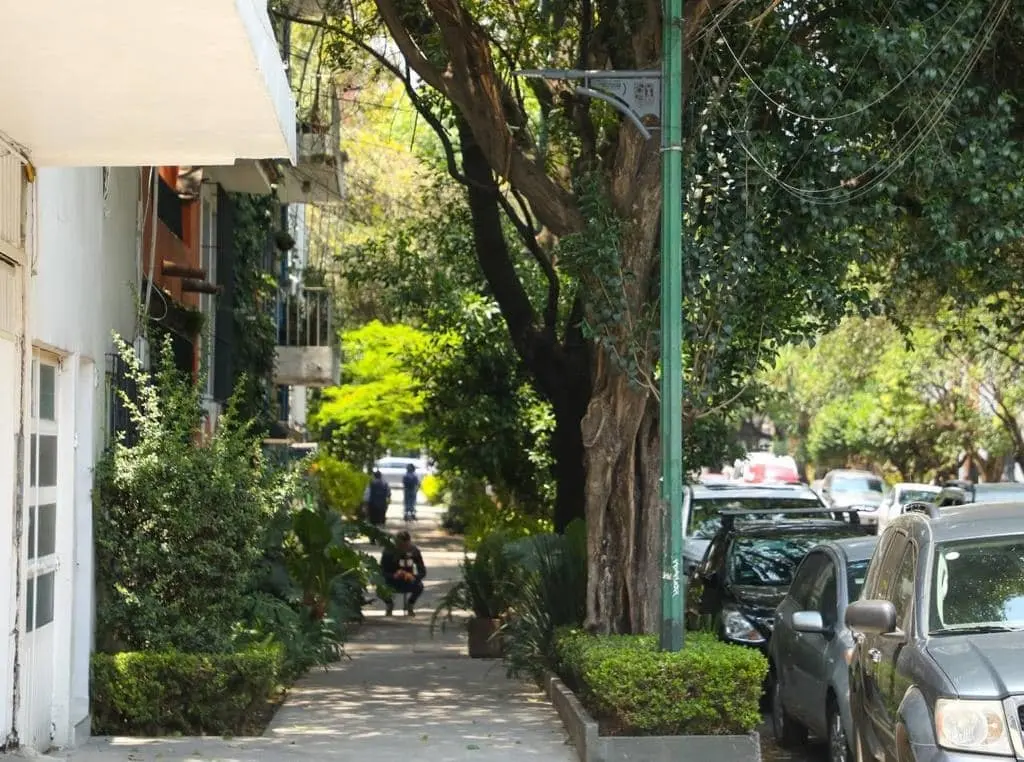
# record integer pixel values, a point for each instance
(837, 154)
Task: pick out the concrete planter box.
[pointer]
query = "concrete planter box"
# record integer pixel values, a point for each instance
(593, 747)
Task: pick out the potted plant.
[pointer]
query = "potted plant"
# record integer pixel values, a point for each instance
(482, 590)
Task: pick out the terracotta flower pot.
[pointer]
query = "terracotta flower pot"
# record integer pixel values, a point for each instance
(484, 642)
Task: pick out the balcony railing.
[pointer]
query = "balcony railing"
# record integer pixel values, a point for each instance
(304, 317)
(307, 351)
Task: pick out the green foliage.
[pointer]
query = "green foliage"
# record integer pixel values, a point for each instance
(476, 515)
(908, 400)
(152, 693)
(341, 484)
(485, 585)
(253, 342)
(631, 687)
(549, 591)
(312, 581)
(177, 523)
(593, 258)
(482, 417)
(377, 406)
(433, 488)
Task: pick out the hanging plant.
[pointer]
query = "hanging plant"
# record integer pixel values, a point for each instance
(284, 241)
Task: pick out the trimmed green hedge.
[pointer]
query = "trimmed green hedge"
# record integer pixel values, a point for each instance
(173, 693)
(632, 688)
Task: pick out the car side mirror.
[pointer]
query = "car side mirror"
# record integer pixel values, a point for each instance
(810, 622)
(872, 617)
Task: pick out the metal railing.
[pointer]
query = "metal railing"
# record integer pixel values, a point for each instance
(304, 317)
(119, 419)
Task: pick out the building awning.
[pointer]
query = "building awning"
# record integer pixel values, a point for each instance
(144, 82)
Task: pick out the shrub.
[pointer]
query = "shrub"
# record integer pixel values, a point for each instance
(169, 692)
(341, 484)
(708, 688)
(548, 592)
(311, 582)
(486, 584)
(433, 488)
(178, 522)
(475, 514)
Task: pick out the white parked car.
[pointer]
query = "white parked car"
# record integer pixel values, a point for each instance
(898, 497)
(394, 467)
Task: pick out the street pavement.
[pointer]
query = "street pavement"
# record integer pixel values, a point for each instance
(399, 694)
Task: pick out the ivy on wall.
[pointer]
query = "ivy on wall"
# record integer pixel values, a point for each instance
(253, 347)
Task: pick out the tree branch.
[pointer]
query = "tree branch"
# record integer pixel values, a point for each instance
(422, 108)
(524, 226)
(472, 83)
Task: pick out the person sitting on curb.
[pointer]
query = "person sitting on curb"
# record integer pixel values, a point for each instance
(403, 570)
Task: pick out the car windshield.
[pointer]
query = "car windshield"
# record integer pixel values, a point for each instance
(917, 495)
(978, 585)
(768, 561)
(705, 521)
(857, 484)
(856, 571)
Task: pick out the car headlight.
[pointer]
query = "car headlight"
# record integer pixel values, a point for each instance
(740, 629)
(968, 725)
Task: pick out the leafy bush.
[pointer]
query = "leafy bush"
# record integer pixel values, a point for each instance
(311, 582)
(477, 515)
(548, 592)
(341, 484)
(485, 586)
(708, 688)
(169, 692)
(178, 522)
(433, 488)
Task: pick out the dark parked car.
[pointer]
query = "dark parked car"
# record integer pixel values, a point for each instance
(810, 647)
(938, 673)
(748, 569)
(704, 503)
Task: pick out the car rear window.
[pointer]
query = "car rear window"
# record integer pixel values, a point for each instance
(705, 521)
(768, 561)
(857, 484)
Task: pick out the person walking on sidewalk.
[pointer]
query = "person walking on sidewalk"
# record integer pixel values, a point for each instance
(379, 499)
(410, 490)
(403, 570)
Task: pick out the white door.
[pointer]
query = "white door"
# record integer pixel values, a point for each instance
(10, 415)
(40, 522)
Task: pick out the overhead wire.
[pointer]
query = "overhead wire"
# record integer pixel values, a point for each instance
(933, 115)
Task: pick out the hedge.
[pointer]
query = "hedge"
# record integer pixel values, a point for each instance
(632, 688)
(153, 693)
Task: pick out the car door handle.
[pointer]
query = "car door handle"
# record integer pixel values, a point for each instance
(875, 655)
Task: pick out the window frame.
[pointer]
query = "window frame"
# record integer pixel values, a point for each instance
(46, 566)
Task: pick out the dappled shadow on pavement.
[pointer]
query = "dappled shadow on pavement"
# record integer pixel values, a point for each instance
(400, 693)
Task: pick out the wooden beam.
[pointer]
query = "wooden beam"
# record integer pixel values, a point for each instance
(196, 285)
(169, 267)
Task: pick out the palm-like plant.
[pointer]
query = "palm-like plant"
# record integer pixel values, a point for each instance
(485, 585)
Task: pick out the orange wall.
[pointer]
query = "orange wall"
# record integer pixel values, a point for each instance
(169, 247)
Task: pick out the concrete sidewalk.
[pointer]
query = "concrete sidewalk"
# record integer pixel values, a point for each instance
(399, 695)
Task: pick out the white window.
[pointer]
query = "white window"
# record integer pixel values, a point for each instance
(41, 505)
(208, 302)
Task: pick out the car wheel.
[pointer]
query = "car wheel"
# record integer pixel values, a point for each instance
(838, 744)
(788, 732)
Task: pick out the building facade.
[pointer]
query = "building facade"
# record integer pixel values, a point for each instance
(84, 147)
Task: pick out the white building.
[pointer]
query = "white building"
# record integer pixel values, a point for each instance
(89, 92)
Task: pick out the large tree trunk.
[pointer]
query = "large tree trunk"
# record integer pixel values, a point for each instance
(624, 509)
